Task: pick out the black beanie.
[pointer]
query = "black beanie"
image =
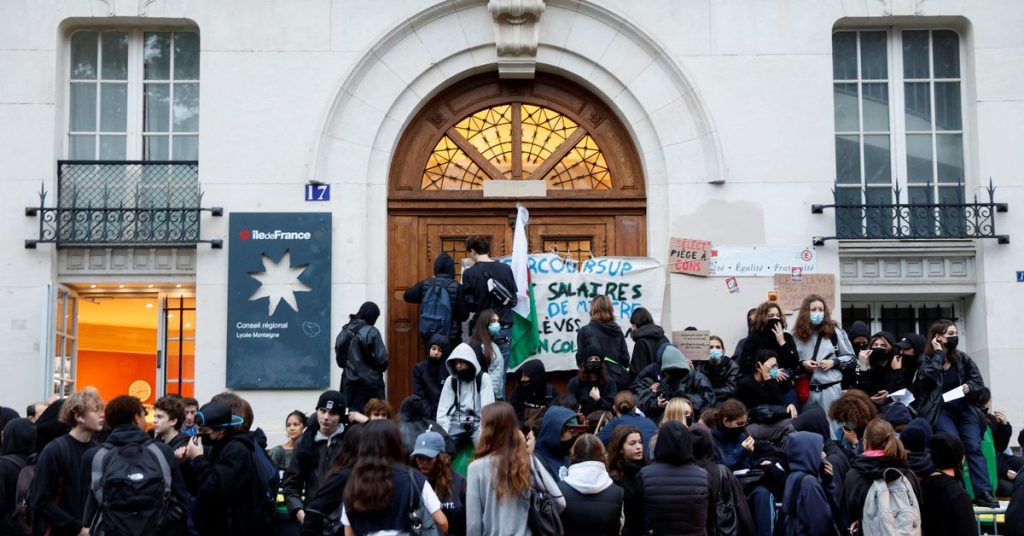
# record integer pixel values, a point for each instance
(947, 451)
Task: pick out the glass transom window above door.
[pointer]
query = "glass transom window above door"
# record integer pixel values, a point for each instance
(516, 141)
(133, 94)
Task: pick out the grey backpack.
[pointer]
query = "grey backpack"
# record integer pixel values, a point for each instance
(891, 507)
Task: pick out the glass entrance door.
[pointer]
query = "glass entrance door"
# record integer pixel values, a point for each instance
(62, 345)
(176, 356)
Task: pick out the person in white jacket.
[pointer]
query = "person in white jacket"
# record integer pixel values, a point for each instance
(464, 395)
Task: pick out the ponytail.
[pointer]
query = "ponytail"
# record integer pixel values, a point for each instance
(625, 402)
(880, 435)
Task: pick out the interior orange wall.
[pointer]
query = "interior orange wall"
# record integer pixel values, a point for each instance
(110, 358)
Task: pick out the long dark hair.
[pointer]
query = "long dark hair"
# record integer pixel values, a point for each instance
(369, 489)
(501, 439)
(616, 462)
(348, 450)
(482, 338)
(440, 477)
(939, 328)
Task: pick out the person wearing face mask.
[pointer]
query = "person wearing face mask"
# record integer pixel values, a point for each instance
(945, 369)
(823, 348)
(591, 386)
(674, 377)
(768, 332)
(463, 397)
(558, 431)
(737, 451)
(880, 368)
(429, 375)
(721, 370)
(859, 334)
(762, 394)
(486, 330)
(911, 347)
(533, 394)
(605, 334)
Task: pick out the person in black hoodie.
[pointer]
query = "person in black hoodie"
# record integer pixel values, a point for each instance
(312, 457)
(533, 394)
(558, 431)
(626, 457)
(768, 332)
(605, 335)
(674, 489)
(732, 512)
(647, 339)
(911, 347)
(60, 486)
(812, 419)
(808, 496)
(429, 375)
(592, 387)
(49, 426)
(224, 479)
(720, 370)
(946, 508)
(360, 352)
(17, 449)
(671, 377)
(126, 417)
(444, 276)
(882, 451)
(879, 369)
(7, 415)
(915, 438)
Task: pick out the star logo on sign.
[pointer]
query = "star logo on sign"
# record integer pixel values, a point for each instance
(279, 281)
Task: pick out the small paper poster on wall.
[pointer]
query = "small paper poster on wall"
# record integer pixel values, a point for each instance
(695, 344)
(792, 292)
(689, 256)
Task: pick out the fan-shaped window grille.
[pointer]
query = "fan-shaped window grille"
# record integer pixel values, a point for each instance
(516, 141)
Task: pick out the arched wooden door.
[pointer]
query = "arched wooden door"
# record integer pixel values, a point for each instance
(485, 129)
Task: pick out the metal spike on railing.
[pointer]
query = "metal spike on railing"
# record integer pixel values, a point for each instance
(991, 191)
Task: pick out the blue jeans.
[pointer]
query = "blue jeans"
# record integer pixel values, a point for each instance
(961, 421)
(504, 335)
(762, 509)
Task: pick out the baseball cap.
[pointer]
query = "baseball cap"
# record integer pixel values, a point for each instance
(332, 401)
(217, 415)
(429, 444)
(904, 344)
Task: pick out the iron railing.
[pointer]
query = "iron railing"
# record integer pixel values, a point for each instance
(914, 221)
(123, 204)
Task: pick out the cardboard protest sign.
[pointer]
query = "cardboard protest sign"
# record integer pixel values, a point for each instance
(792, 293)
(695, 344)
(688, 256)
(564, 288)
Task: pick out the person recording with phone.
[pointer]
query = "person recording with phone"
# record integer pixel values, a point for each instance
(880, 368)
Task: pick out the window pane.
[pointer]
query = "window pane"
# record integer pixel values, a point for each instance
(115, 55)
(920, 195)
(876, 107)
(915, 54)
(844, 56)
(919, 158)
(849, 221)
(873, 62)
(878, 221)
(848, 159)
(918, 105)
(947, 106)
(83, 107)
(922, 216)
(155, 148)
(112, 147)
(157, 107)
(951, 157)
(185, 148)
(113, 107)
(186, 56)
(877, 167)
(846, 111)
(946, 54)
(186, 107)
(878, 195)
(951, 195)
(157, 55)
(83, 55)
(82, 148)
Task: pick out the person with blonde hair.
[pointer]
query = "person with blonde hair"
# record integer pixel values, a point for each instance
(678, 409)
(60, 487)
(605, 336)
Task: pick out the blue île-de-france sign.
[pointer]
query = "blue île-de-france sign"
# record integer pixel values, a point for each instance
(279, 301)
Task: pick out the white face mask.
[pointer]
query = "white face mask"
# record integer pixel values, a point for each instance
(817, 317)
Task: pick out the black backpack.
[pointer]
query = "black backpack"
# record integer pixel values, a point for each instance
(436, 309)
(132, 487)
(20, 518)
(265, 484)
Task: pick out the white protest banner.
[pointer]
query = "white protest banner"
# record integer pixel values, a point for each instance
(761, 261)
(564, 288)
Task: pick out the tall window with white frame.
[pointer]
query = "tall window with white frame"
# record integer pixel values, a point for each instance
(899, 132)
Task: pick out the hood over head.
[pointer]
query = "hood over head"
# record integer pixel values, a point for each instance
(588, 478)
(648, 331)
(916, 435)
(7, 415)
(444, 264)
(549, 438)
(803, 449)
(703, 444)
(915, 341)
(464, 352)
(534, 369)
(672, 358)
(674, 445)
(440, 340)
(48, 425)
(859, 329)
(813, 419)
(369, 312)
(889, 338)
(19, 437)
(589, 350)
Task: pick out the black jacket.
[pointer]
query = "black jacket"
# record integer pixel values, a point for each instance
(864, 472)
(674, 489)
(429, 375)
(360, 352)
(444, 275)
(608, 337)
(646, 341)
(592, 514)
(474, 288)
(695, 386)
(757, 341)
(946, 509)
(310, 462)
(325, 504)
(878, 378)
(732, 512)
(813, 419)
(222, 481)
(18, 451)
(928, 389)
(60, 487)
(534, 398)
(723, 377)
(633, 506)
(580, 389)
(127, 434)
(1015, 510)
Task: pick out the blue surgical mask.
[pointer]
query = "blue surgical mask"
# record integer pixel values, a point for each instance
(773, 373)
(715, 354)
(493, 328)
(817, 317)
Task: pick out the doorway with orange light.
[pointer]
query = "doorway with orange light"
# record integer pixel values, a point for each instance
(125, 338)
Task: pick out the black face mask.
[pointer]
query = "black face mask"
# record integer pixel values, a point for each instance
(879, 355)
(527, 386)
(466, 374)
(593, 366)
(769, 327)
(675, 376)
(858, 347)
(909, 361)
(566, 446)
(731, 434)
(951, 342)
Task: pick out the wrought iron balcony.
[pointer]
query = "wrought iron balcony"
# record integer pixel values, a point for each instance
(123, 204)
(914, 221)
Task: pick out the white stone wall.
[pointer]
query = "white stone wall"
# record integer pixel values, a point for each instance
(729, 102)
